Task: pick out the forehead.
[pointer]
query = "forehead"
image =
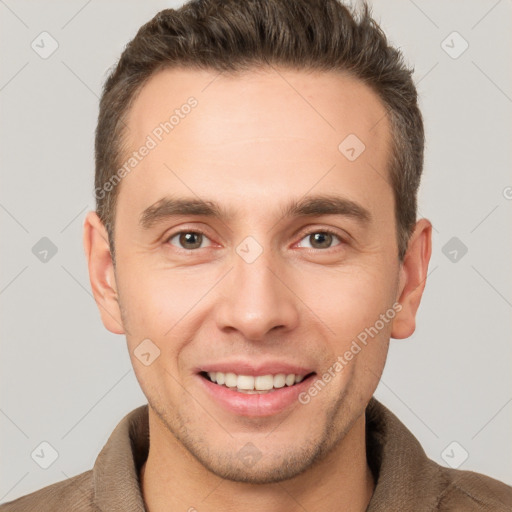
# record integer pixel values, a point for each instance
(285, 128)
(261, 102)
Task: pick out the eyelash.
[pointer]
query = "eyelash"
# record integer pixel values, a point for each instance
(303, 235)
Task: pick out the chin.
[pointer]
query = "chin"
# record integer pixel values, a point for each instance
(262, 469)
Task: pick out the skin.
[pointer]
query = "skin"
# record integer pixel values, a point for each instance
(254, 142)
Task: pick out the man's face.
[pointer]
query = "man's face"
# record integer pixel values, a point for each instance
(257, 292)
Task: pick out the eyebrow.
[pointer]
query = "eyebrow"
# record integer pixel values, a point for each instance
(309, 206)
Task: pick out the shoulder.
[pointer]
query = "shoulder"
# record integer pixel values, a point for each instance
(74, 494)
(407, 479)
(470, 491)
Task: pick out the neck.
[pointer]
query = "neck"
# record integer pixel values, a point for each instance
(171, 479)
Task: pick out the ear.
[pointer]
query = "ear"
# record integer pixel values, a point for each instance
(413, 275)
(101, 272)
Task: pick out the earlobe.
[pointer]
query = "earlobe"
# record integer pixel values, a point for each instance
(413, 275)
(101, 272)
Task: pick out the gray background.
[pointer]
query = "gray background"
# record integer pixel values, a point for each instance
(67, 381)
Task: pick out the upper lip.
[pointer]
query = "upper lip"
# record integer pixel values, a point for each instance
(241, 367)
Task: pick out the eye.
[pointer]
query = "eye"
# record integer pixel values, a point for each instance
(321, 239)
(189, 240)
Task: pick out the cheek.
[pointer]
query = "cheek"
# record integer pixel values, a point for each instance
(350, 298)
(155, 301)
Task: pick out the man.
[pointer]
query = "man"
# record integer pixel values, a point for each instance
(256, 240)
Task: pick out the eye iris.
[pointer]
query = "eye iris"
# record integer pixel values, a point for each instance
(187, 238)
(325, 239)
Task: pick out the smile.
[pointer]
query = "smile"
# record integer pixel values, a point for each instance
(254, 389)
(250, 384)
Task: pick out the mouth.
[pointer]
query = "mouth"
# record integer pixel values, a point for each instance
(255, 384)
(243, 388)
(255, 395)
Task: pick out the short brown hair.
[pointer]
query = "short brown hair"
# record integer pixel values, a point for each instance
(240, 35)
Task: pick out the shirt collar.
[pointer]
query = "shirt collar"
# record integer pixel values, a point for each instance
(406, 478)
(116, 470)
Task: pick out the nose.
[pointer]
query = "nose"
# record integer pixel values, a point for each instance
(257, 299)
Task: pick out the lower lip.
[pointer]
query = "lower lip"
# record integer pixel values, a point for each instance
(257, 404)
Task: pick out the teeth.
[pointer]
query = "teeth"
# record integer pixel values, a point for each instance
(263, 382)
(250, 384)
(290, 379)
(245, 382)
(230, 380)
(279, 380)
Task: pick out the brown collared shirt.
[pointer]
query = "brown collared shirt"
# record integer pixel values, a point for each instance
(406, 479)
